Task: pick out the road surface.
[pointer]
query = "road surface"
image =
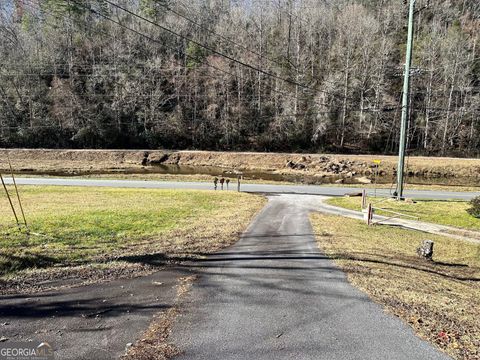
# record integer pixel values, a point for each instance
(258, 188)
(274, 295)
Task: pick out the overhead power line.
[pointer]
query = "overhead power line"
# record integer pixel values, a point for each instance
(93, 11)
(206, 47)
(150, 122)
(260, 56)
(168, 8)
(472, 60)
(187, 55)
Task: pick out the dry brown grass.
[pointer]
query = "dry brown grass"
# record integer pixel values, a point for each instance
(70, 160)
(276, 161)
(154, 342)
(118, 160)
(76, 227)
(439, 299)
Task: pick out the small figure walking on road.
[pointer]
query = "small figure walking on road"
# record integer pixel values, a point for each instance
(222, 180)
(228, 182)
(215, 182)
(238, 183)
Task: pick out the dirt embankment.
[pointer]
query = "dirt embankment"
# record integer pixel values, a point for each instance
(321, 165)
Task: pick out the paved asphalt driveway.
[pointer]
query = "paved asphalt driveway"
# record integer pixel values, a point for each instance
(93, 322)
(274, 295)
(259, 188)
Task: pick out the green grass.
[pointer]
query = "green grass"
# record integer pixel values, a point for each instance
(439, 299)
(73, 224)
(432, 187)
(450, 213)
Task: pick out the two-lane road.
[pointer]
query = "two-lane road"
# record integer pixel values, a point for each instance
(255, 188)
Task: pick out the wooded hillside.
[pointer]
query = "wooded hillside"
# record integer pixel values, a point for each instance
(266, 75)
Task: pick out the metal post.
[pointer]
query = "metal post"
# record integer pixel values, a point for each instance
(406, 91)
(10, 200)
(16, 190)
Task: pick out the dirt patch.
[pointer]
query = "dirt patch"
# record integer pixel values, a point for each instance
(321, 165)
(154, 342)
(72, 161)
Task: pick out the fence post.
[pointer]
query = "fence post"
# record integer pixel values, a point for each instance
(369, 214)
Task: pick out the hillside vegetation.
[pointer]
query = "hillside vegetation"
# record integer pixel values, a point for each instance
(178, 74)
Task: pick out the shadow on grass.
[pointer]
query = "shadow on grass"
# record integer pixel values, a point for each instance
(280, 257)
(290, 260)
(10, 263)
(411, 266)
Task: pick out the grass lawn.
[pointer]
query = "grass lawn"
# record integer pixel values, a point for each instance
(451, 213)
(432, 187)
(439, 299)
(75, 225)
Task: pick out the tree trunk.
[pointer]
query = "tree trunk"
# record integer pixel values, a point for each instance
(345, 93)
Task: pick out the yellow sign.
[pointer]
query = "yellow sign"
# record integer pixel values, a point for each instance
(377, 161)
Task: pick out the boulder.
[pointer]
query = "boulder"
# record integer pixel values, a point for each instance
(364, 180)
(157, 159)
(145, 158)
(290, 164)
(354, 194)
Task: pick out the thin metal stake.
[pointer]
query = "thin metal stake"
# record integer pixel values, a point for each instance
(16, 190)
(9, 200)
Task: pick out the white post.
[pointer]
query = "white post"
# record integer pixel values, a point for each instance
(364, 199)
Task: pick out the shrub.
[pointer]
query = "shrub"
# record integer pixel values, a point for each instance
(475, 207)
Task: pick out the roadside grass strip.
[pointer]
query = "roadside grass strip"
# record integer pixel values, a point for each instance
(448, 212)
(439, 299)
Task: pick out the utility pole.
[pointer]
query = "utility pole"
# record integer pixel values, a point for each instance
(406, 93)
